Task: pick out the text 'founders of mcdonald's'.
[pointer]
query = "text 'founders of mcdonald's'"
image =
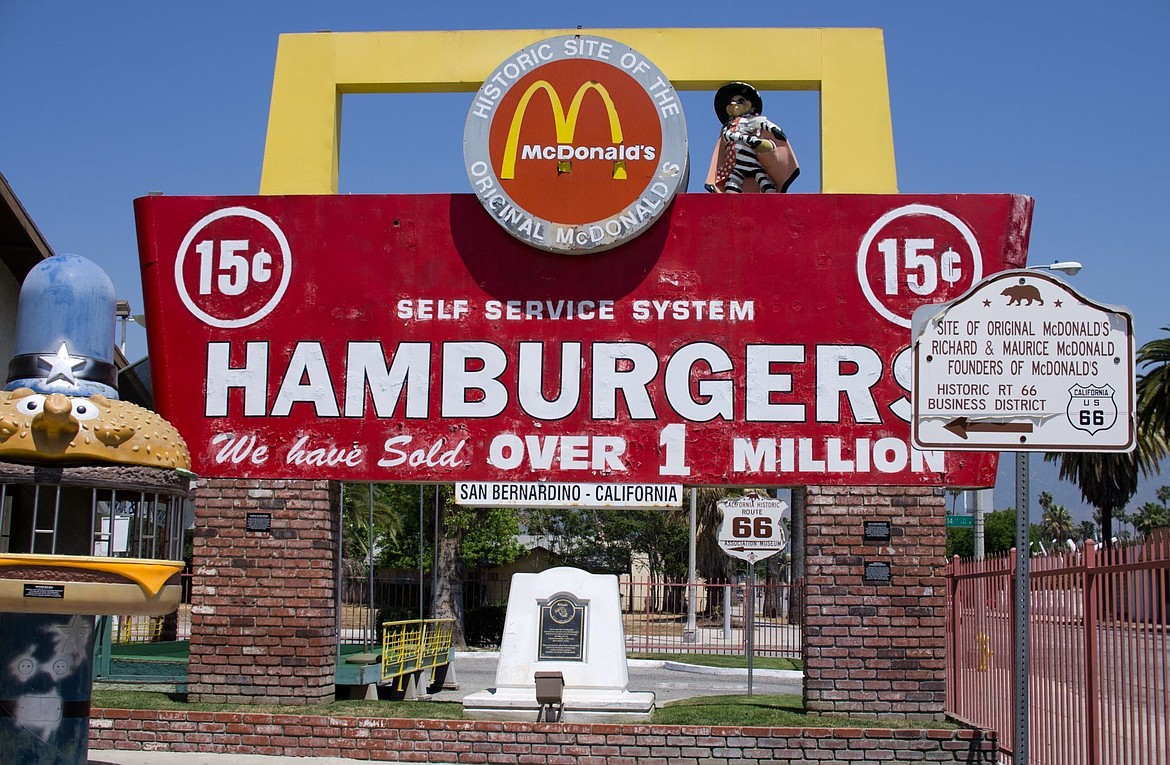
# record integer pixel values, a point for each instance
(576, 144)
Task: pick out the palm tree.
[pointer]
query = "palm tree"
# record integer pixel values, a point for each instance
(711, 562)
(360, 538)
(1153, 387)
(1108, 480)
(1151, 516)
(1057, 521)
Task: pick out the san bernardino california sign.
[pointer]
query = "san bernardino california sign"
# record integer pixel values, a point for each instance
(576, 144)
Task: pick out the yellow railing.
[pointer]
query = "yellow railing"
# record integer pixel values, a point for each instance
(136, 628)
(415, 645)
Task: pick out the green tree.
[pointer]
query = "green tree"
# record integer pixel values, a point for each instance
(961, 542)
(1086, 531)
(661, 536)
(577, 537)
(469, 537)
(999, 531)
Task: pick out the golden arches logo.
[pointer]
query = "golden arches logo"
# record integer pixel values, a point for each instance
(615, 173)
(566, 123)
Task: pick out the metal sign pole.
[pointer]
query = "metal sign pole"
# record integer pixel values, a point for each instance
(749, 605)
(1023, 603)
(691, 632)
(421, 506)
(370, 600)
(752, 529)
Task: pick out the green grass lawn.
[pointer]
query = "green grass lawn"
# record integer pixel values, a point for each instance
(768, 711)
(417, 710)
(757, 710)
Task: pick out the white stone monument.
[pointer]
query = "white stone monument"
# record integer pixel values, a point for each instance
(569, 621)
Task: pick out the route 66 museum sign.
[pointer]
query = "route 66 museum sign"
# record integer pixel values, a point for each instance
(753, 527)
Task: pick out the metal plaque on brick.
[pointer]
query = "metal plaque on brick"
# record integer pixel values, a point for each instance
(258, 522)
(562, 629)
(877, 531)
(877, 572)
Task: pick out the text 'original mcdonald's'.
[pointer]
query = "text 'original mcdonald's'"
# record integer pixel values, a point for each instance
(576, 144)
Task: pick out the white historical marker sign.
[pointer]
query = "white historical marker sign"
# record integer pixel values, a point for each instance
(753, 528)
(1023, 362)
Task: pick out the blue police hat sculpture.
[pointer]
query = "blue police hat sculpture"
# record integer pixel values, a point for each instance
(65, 330)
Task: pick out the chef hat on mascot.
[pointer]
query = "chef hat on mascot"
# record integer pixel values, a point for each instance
(65, 330)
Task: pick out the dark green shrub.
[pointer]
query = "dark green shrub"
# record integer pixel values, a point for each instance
(394, 614)
(483, 626)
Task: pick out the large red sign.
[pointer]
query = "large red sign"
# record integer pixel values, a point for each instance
(748, 340)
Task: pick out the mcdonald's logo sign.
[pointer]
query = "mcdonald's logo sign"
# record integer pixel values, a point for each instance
(576, 144)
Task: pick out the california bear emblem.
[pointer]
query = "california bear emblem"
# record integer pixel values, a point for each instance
(1023, 292)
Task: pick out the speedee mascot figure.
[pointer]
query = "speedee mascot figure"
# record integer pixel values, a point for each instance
(752, 154)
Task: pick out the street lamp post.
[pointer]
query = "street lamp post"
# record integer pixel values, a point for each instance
(1066, 267)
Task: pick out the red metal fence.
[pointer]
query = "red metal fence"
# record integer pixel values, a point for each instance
(655, 618)
(1099, 680)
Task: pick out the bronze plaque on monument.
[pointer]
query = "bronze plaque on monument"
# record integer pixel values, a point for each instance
(562, 630)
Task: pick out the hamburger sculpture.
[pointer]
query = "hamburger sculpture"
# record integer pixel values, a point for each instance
(91, 510)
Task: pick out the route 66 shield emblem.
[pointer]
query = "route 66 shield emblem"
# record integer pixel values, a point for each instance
(1091, 408)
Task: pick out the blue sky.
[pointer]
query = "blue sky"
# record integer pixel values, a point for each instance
(1067, 102)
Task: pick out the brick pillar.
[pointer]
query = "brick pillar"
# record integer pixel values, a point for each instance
(875, 649)
(263, 616)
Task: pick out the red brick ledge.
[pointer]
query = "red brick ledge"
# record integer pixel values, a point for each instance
(522, 743)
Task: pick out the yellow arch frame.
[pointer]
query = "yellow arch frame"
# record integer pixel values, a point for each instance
(313, 72)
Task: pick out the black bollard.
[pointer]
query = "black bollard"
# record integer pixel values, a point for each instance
(46, 680)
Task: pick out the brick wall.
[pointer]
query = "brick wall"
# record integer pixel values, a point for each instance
(263, 623)
(875, 649)
(516, 743)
